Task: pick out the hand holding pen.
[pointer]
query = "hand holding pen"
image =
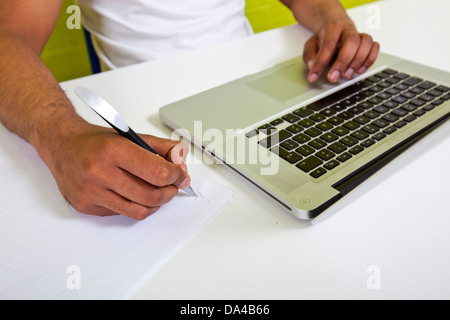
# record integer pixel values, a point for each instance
(100, 173)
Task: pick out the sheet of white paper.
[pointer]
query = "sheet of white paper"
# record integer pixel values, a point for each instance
(50, 251)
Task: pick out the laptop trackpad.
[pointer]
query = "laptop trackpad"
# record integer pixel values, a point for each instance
(285, 179)
(284, 84)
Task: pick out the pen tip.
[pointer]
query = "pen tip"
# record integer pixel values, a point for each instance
(191, 192)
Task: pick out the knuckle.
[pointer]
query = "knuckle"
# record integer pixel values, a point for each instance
(354, 38)
(162, 175)
(156, 197)
(365, 37)
(91, 168)
(330, 44)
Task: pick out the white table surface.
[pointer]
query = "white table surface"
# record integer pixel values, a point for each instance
(398, 221)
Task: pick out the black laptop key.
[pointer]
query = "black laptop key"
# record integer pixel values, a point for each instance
(360, 135)
(339, 107)
(427, 85)
(401, 76)
(313, 132)
(379, 136)
(383, 75)
(328, 112)
(289, 144)
(428, 107)
(370, 129)
(252, 133)
(276, 122)
(309, 164)
(340, 131)
(367, 143)
(442, 88)
(306, 123)
(337, 147)
(305, 150)
(325, 154)
(304, 112)
(356, 110)
(351, 125)
(346, 115)
(409, 107)
(426, 97)
(400, 124)
(418, 102)
(390, 71)
(381, 109)
(291, 118)
(318, 144)
(295, 128)
(400, 99)
(366, 105)
(408, 95)
(390, 130)
(412, 81)
(390, 104)
(355, 150)
(318, 173)
(390, 117)
(400, 112)
(420, 112)
(380, 123)
(335, 120)
(302, 138)
(274, 139)
(349, 141)
(324, 126)
(332, 164)
(291, 157)
(344, 157)
(410, 118)
(373, 79)
(435, 93)
(317, 117)
(329, 137)
(376, 88)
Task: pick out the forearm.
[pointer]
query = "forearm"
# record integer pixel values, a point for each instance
(32, 104)
(313, 14)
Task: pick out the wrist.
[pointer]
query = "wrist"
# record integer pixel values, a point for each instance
(52, 134)
(315, 14)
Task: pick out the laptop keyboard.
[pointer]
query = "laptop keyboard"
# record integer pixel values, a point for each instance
(319, 137)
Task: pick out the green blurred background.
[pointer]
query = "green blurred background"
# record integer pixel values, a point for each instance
(67, 56)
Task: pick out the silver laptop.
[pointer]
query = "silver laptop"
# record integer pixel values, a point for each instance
(308, 145)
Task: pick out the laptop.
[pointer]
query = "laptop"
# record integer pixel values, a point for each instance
(308, 145)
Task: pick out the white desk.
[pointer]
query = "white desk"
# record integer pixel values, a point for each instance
(397, 221)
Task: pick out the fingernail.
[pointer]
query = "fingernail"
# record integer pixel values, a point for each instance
(362, 70)
(314, 77)
(335, 75)
(349, 73)
(186, 183)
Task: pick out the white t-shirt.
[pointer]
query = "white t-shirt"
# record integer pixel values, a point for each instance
(125, 32)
